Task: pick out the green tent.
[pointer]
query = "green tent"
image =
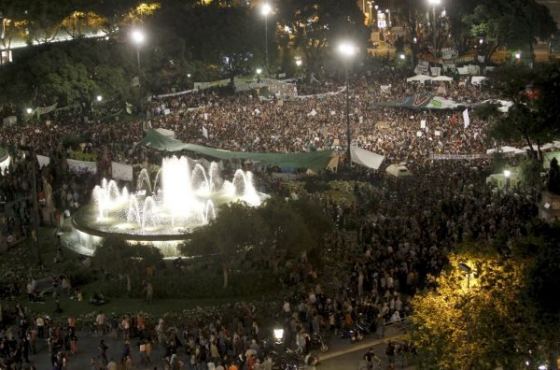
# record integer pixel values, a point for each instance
(315, 161)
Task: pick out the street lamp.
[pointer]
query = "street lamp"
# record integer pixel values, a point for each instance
(28, 110)
(138, 38)
(402, 56)
(518, 55)
(259, 71)
(278, 335)
(347, 51)
(468, 271)
(299, 62)
(266, 10)
(507, 175)
(434, 4)
(99, 98)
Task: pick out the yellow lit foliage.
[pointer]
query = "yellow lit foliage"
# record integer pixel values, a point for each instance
(142, 10)
(77, 22)
(471, 327)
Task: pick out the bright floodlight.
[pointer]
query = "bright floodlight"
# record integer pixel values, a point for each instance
(434, 2)
(29, 110)
(518, 55)
(507, 173)
(99, 98)
(278, 334)
(259, 71)
(266, 9)
(347, 49)
(137, 37)
(402, 56)
(299, 62)
(481, 41)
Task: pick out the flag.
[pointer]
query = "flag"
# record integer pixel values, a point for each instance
(204, 132)
(466, 118)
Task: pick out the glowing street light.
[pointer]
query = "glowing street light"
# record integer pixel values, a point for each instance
(348, 50)
(507, 175)
(518, 55)
(278, 335)
(28, 110)
(99, 98)
(259, 71)
(266, 10)
(299, 62)
(138, 37)
(402, 56)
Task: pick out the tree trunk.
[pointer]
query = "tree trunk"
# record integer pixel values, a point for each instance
(225, 270)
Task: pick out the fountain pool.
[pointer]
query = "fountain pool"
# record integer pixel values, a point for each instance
(162, 210)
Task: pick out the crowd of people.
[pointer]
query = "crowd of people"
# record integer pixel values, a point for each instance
(380, 253)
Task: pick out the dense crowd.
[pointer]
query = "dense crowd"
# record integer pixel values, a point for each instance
(387, 245)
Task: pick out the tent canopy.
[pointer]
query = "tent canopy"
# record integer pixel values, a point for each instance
(313, 160)
(366, 158)
(398, 170)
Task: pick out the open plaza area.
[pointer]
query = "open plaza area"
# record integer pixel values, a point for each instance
(279, 185)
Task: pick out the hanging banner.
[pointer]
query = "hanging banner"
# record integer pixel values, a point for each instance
(81, 166)
(121, 171)
(43, 160)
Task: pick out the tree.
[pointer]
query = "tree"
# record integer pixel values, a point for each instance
(512, 23)
(316, 26)
(236, 231)
(115, 254)
(534, 116)
(472, 320)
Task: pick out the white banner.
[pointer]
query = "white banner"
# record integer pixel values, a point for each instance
(81, 166)
(43, 160)
(366, 158)
(10, 120)
(121, 171)
(171, 95)
(466, 118)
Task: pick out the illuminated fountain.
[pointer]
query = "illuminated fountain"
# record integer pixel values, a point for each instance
(183, 196)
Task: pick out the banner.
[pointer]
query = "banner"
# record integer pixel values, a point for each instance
(9, 121)
(171, 95)
(423, 102)
(121, 171)
(466, 118)
(208, 85)
(81, 166)
(43, 160)
(44, 110)
(458, 157)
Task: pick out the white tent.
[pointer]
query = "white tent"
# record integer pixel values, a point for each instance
(398, 170)
(366, 158)
(419, 78)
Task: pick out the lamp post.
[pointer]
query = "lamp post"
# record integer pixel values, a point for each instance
(266, 10)
(99, 98)
(468, 271)
(347, 51)
(507, 175)
(434, 4)
(138, 37)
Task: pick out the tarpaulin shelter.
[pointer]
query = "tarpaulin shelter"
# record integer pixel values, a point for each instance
(313, 160)
(366, 158)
